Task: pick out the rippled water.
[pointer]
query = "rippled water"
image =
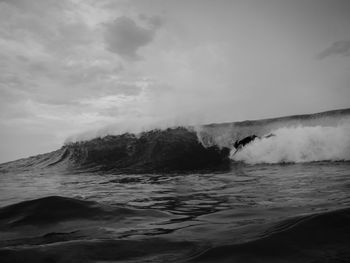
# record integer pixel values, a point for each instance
(207, 205)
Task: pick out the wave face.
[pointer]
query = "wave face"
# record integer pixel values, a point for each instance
(303, 138)
(299, 144)
(157, 150)
(173, 149)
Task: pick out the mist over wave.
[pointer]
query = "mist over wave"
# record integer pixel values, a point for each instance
(224, 134)
(299, 144)
(216, 134)
(302, 138)
(136, 127)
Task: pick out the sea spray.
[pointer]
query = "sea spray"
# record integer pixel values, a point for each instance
(225, 134)
(299, 144)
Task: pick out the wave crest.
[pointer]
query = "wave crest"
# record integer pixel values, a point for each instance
(299, 144)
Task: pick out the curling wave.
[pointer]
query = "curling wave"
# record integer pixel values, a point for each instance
(170, 150)
(322, 136)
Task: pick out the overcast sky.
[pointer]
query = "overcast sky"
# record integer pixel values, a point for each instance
(70, 66)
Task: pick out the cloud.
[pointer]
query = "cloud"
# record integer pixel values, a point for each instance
(124, 37)
(154, 21)
(341, 47)
(72, 64)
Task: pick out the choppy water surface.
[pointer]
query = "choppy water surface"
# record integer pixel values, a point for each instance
(246, 194)
(173, 217)
(283, 197)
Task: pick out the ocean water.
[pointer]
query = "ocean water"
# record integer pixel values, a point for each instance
(281, 198)
(204, 210)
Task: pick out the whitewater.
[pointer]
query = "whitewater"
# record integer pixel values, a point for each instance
(299, 144)
(185, 194)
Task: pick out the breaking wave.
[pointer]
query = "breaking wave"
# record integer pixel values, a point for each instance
(302, 138)
(299, 144)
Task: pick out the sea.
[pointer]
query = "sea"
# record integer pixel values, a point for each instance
(282, 198)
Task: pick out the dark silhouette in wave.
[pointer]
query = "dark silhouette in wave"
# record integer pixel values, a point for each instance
(241, 143)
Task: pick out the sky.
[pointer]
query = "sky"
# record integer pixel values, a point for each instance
(73, 68)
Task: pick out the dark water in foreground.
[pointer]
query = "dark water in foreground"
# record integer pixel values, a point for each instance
(252, 213)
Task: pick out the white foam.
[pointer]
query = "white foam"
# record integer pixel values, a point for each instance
(299, 144)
